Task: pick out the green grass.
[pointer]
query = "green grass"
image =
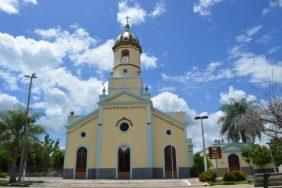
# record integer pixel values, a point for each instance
(221, 182)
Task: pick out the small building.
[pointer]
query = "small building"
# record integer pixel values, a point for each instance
(126, 137)
(233, 160)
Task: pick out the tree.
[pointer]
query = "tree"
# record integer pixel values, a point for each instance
(276, 149)
(270, 113)
(236, 124)
(247, 156)
(45, 155)
(13, 133)
(199, 165)
(261, 155)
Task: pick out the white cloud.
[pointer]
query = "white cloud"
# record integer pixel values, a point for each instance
(136, 13)
(7, 102)
(247, 37)
(148, 61)
(211, 73)
(234, 94)
(273, 4)
(258, 68)
(203, 7)
(10, 80)
(159, 9)
(12, 6)
(101, 57)
(61, 91)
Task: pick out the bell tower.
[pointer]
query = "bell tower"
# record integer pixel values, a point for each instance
(126, 73)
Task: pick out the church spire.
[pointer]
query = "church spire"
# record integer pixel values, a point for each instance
(127, 27)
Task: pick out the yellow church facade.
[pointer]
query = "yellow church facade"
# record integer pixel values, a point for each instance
(126, 137)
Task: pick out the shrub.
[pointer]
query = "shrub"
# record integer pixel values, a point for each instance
(238, 175)
(235, 175)
(208, 176)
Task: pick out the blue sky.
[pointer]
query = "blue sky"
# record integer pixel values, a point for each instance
(198, 54)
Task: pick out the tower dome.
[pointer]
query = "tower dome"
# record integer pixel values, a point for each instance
(127, 38)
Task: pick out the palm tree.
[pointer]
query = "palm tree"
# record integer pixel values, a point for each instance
(15, 127)
(236, 122)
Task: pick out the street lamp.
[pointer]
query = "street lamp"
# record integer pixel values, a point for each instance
(268, 143)
(203, 137)
(23, 161)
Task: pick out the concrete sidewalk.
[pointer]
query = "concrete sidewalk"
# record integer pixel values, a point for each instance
(59, 182)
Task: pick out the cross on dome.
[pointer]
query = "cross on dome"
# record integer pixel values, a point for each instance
(127, 27)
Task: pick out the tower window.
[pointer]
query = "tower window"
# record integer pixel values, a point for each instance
(124, 70)
(125, 53)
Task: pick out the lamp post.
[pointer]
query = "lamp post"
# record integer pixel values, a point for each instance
(203, 137)
(24, 147)
(272, 159)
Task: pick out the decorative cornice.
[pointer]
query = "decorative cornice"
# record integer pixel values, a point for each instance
(83, 124)
(124, 107)
(170, 122)
(126, 64)
(68, 127)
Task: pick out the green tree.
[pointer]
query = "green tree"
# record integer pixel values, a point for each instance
(261, 155)
(236, 122)
(15, 127)
(199, 166)
(276, 149)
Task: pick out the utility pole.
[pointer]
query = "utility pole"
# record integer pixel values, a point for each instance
(203, 137)
(24, 152)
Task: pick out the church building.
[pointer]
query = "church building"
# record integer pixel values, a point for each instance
(126, 137)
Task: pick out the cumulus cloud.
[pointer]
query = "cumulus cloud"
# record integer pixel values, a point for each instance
(101, 57)
(148, 61)
(203, 7)
(234, 94)
(258, 68)
(60, 89)
(136, 13)
(159, 9)
(7, 102)
(12, 6)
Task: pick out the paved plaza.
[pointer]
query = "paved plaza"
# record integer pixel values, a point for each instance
(59, 182)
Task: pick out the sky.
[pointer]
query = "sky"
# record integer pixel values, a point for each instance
(197, 55)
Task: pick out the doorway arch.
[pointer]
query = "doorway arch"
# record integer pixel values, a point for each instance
(81, 163)
(124, 165)
(170, 162)
(233, 162)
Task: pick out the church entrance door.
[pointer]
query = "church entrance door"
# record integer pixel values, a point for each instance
(233, 162)
(81, 161)
(170, 162)
(124, 162)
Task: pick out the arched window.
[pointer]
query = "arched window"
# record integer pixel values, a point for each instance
(124, 162)
(125, 53)
(125, 57)
(81, 163)
(170, 162)
(233, 162)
